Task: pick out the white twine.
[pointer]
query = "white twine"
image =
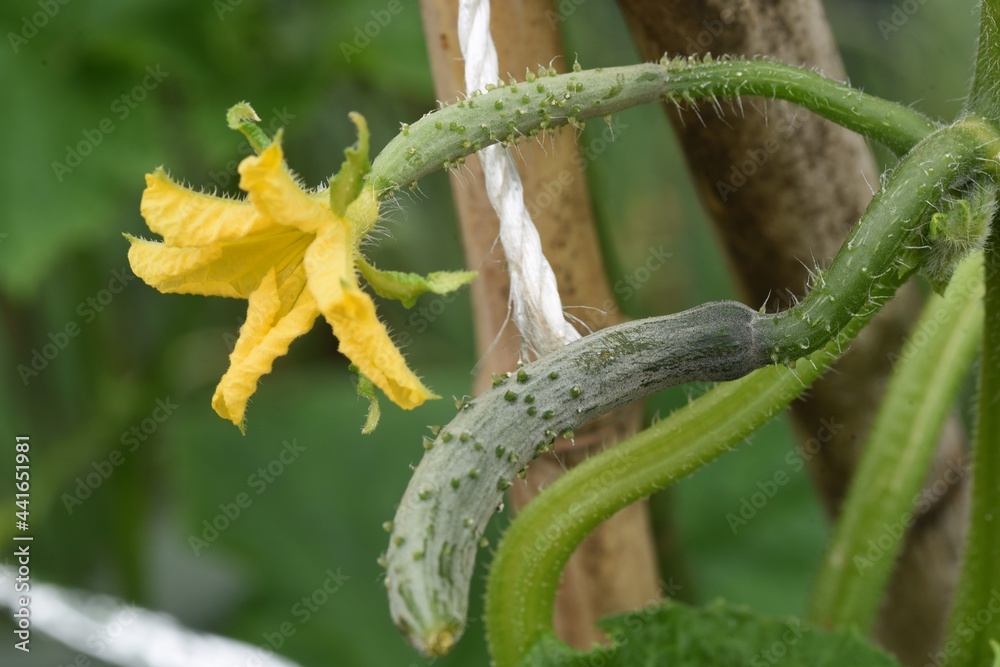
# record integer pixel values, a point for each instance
(109, 630)
(534, 295)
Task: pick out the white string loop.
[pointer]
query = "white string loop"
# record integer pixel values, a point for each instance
(534, 295)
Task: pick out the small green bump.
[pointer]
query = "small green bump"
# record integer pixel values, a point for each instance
(466, 144)
(510, 396)
(500, 451)
(552, 71)
(525, 99)
(548, 414)
(522, 473)
(498, 105)
(387, 526)
(474, 473)
(579, 89)
(399, 541)
(554, 375)
(529, 76)
(597, 103)
(418, 555)
(522, 376)
(460, 105)
(532, 411)
(428, 442)
(405, 128)
(540, 87)
(455, 482)
(382, 561)
(435, 429)
(446, 437)
(503, 484)
(549, 434)
(464, 437)
(576, 66)
(425, 492)
(478, 446)
(438, 125)
(567, 434)
(512, 458)
(468, 522)
(529, 398)
(483, 543)
(575, 391)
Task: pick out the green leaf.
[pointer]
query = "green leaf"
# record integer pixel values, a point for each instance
(366, 389)
(720, 634)
(346, 183)
(406, 287)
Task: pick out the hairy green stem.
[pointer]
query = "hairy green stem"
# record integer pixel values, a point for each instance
(975, 618)
(510, 111)
(984, 98)
(885, 489)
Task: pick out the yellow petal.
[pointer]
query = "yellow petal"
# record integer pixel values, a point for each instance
(276, 193)
(365, 341)
(184, 217)
(275, 317)
(232, 269)
(363, 338)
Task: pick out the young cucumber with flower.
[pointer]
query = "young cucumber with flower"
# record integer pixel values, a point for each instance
(293, 254)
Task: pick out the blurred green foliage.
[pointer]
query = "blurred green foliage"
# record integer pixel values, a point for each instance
(128, 86)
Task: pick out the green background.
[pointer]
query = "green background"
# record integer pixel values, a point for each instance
(61, 244)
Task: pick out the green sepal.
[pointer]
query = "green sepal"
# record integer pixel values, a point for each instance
(345, 186)
(242, 118)
(406, 287)
(366, 389)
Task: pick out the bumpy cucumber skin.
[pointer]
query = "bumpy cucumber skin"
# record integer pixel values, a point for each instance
(461, 479)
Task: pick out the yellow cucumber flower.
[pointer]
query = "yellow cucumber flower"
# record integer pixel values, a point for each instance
(292, 254)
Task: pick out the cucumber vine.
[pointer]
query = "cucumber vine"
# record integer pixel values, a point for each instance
(934, 209)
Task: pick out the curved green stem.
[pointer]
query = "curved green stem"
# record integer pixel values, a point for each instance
(984, 98)
(975, 618)
(885, 489)
(542, 103)
(534, 549)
